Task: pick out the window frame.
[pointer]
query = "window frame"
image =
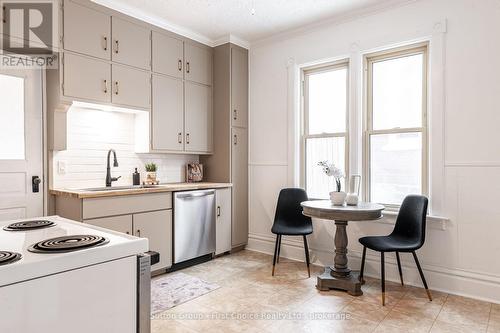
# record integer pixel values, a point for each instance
(368, 131)
(304, 121)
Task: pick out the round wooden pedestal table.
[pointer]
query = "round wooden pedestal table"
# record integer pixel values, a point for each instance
(340, 275)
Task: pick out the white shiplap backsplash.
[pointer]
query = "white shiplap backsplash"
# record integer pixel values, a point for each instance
(91, 133)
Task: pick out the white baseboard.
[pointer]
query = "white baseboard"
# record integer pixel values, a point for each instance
(453, 281)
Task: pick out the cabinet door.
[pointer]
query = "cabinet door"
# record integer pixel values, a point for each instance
(167, 113)
(198, 117)
(131, 87)
(131, 44)
(86, 78)
(157, 228)
(86, 31)
(198, 67)
(239, 87)
(168, 55)
(122, 223)
(223, 220)
(239, 178)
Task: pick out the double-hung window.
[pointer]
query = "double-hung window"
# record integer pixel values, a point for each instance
(325, 124)
(396, 125)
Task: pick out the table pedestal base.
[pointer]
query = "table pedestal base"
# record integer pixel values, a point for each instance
(350, 283)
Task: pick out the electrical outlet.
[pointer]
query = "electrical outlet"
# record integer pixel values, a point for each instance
(61, 167)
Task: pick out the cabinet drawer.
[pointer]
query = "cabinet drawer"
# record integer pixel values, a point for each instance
(127, 204)
(86, 78)
(131, 87)
(122, 223)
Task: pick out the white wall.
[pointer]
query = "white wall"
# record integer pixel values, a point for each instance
(90, 134)
(461, 255)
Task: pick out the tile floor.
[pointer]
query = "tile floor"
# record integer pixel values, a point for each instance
(251, 300)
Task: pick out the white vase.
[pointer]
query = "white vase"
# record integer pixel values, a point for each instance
(338, 198)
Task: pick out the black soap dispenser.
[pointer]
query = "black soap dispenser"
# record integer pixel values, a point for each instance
(136, 178)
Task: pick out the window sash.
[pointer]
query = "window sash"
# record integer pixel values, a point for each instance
(305, 117)
(369, 131)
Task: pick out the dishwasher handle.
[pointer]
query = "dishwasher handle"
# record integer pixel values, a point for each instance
(194, 194)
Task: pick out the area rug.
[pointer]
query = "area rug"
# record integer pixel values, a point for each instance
(175, 289)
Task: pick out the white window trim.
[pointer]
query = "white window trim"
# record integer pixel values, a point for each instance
(368, 60)
(304, 126)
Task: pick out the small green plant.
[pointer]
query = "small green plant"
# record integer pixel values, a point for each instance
(151, 167)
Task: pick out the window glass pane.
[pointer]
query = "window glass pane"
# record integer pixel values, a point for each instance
(397, 92)
(319, 185)
(396, 166)
(327, 101)
(11, 118)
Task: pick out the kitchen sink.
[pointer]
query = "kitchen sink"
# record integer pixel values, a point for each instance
(117, 188)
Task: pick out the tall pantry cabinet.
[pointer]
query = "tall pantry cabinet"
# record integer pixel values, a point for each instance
(229, 161)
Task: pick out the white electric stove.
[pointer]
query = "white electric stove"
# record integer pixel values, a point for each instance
(58, 275)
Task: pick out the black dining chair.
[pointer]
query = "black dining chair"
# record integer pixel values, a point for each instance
(290, 221)
(408, 236)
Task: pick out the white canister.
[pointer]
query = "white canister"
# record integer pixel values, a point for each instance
(352, 199)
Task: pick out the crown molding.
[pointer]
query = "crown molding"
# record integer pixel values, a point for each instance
(230, 38)
(334, 20)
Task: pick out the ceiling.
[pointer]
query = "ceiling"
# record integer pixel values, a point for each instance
(249, 20)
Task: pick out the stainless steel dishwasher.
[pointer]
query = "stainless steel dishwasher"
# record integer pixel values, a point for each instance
(194, 224)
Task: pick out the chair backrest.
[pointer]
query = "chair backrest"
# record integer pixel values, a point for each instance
(289, 210)
(412, 218)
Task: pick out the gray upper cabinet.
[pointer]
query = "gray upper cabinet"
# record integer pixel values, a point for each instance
(131, 44)
(198, 64)
(198, 117)
(168, 55)
(131, 87)
(86, 78)
(86, 31)
(239, 87)
(167, 114)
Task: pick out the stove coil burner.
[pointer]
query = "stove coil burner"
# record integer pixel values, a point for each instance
(67, 244)
(7, 257)
(29, 225)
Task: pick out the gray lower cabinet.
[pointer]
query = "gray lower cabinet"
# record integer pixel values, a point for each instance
(223, 220)
(239, 167)
(157, 228)
(142, 215)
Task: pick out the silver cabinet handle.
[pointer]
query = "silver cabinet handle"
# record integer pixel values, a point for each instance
(179, 137)
(116, 87)
(235, 114)
(105, 42)
(187, 67)
(179, 65)
(116, 46)
(105, 86)
(138, 232)
(235, 139)
(187, 138)
(218, 211)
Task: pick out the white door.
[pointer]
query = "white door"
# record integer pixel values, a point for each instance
(20, 143)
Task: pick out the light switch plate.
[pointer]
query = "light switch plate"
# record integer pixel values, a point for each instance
(61, 167)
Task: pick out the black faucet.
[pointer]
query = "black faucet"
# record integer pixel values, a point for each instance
(110, 179)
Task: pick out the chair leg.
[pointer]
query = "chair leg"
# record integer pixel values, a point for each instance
(399, 268)
(422, 276)
(382, 276)
(275, 252)
(279, 250)
(362, 270)
(306, 248)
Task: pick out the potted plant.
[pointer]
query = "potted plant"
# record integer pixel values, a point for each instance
(151, 173)
(337, 197)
